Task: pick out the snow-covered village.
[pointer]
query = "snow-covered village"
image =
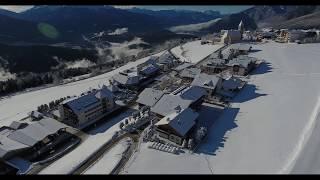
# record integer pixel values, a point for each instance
(237, 101)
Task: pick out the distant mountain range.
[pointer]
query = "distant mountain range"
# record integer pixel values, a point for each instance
(73, 22)
(225, 22)
(291, 17)
(285, 16)
(88, 26)
(179, 17)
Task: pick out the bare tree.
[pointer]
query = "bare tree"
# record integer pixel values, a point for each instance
(184, 143)
(190, 143)
(121, 125)
(201, 133)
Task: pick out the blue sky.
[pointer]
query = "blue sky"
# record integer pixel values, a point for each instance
(222, 9)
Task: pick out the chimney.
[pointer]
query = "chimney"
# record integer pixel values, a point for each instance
(178, 109)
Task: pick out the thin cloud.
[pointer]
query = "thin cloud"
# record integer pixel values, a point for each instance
(16, 8)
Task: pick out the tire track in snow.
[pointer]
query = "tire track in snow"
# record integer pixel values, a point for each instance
(305, 136)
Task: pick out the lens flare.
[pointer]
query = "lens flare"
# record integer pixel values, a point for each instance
(48, 30)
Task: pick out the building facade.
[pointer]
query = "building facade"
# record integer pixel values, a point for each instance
(87, 109)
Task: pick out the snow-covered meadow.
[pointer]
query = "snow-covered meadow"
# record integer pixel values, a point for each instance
(194, 52)
(267, 126)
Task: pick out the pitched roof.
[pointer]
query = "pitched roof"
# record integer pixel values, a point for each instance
(232, 34)
(8, 145)
(166, 58)
(232, 83)
(149, 96)
(242, 61)
(80, 104)
(190, 72)
(215, 62)
(181, 121)
(35, 114)
(17, 125)
(113, 88)
(226, 53)
(206, 81)
(183, 66)
(29, 135)
(104, 93)
(193, 93)
(129, 79)
(149, 69)
(168, 102)
(36, 132)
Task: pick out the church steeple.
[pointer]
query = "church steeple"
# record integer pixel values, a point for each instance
(241, 28)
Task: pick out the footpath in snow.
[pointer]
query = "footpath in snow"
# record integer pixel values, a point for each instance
(109, 161)
(265, 129)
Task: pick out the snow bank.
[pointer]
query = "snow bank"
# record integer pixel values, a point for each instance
(264, 129)
(108, 162)
(194, 51)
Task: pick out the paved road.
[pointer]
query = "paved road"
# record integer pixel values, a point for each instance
(308, 161)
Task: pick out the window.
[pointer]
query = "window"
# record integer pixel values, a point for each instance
(236, 68)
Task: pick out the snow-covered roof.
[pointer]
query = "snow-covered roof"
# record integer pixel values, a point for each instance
(29, 135)
(168, 102)
(103, 93)
(232, 83)
(149, 69)
(162, 77)
(87, 101)
(149, 96)
(190, 72)
(36, 132)
(17, 125)
(35, 114)
(193, 93)
(181, 121)
(152, 60)
(206, 81)
(8, 145)
(226, 54)
(215, 62)
(233, 34)
(129, 79)
(183, 66)
(184, 98)
(166, 58)
(113, 88)
(242, 61)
